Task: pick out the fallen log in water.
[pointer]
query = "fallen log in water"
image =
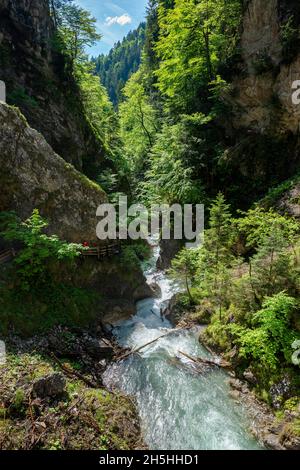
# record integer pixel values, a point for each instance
(210, 362)
(137, 350)
(207, 348)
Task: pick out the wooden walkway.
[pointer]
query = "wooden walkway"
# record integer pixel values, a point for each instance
(99, 252)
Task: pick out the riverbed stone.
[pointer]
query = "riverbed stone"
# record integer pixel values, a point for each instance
(238, 385)
(156, 290)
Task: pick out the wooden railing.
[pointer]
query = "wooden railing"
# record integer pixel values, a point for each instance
(100, 252)
(7, 255)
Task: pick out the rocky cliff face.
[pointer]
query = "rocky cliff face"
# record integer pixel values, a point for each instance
(38, 84)
(32, 176)
(262, 122)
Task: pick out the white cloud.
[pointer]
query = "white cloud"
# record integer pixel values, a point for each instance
(121, 20)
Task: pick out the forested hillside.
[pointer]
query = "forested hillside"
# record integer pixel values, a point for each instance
(122, 61)
(196, 115)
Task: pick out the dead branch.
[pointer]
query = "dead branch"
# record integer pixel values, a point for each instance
(222, 364)
(207, 348)
(71, 373)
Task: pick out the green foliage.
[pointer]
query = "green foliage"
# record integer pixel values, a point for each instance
(31, 312)
(20, 97)
(38, 249)
(275, 193)
(142, 250)
(272, 336)
(175, 165)
(108, 181)
(112, 412)
(216, 334)
(184, 268)
(129, 258)
(191, 53)
(138, 125)
(18, 405)
(97, 107)
(34, 299)
(77, 30)
(259, 224)
(195, 37)
(291, 404)
(132, 255)
(271, 267)
(216, 256)
(252, 303)
(56, 7)
(150, 58)
(167, 119)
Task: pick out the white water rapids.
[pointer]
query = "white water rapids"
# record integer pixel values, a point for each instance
(179, 408)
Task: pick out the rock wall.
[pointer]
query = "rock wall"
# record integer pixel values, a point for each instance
(32, 176)
(263, 91)
(120, 287)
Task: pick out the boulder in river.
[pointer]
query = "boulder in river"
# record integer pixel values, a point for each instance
(98, 349)
(250, 377)
(155, 289)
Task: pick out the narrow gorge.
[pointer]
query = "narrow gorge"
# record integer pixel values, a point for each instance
(133, 342)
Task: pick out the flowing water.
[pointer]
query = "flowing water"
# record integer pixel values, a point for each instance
(180, 409)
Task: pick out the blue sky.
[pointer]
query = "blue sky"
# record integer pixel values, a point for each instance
(114, 20)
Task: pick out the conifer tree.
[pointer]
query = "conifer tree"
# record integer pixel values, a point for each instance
(216, 257)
